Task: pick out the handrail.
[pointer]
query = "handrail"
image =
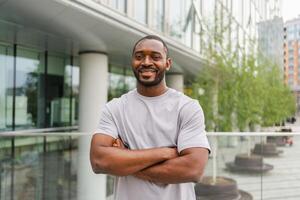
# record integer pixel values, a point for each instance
(253, 133)
(40, 131)
(50, 133)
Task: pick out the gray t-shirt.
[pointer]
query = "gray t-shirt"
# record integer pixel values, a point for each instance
(171, 119)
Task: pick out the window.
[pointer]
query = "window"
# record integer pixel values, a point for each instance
(130, 81)
(30, 89)
(176, 21)
(75, 92)
(291, 70)
(45, 93)
(121, 80)
(59, 91)
(158, 15)
(140, 11)
(178, 11)
(208, 8)
(119, 5)
(6, 87)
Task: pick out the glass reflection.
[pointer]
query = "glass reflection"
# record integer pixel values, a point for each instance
(28, 168)
(46, 94)
(75, 92)
(6, 87)
(130, 81)
(121, 80)
(5, 168)
(59, 88)
(30, 89)
(41, 168)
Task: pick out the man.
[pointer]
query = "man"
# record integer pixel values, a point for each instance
(153, 137)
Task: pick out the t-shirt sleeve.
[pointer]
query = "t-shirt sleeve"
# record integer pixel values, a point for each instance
(107, 124)
(192, 128)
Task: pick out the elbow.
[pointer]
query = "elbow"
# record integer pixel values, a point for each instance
(102, 166)
(99, 166)
(196, 175)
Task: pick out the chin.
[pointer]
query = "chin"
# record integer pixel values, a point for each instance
(150, 83)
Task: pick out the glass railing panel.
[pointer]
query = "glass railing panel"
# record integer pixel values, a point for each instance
(44, 167)
(38, 167)
(27, 167)
(5, 168)
(228, 173)
(284, 180)
(60, 167)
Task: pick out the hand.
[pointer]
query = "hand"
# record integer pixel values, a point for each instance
(119, 144)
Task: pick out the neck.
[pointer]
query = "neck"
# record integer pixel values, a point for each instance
(153, 90)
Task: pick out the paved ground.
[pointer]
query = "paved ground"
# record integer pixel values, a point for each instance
(282, 183)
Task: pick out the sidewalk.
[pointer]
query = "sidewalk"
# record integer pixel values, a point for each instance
(281, 183)
(295, 126)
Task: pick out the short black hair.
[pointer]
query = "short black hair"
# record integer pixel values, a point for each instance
(152, 37)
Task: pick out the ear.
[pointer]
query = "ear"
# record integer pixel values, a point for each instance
(168, 64)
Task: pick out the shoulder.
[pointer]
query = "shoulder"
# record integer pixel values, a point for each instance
(185, 102)
(117, 102)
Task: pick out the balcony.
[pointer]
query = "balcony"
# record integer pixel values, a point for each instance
(45, 165)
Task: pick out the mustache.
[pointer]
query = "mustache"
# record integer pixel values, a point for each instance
(151, 68)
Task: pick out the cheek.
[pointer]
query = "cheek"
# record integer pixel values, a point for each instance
(162, 66)
(135, 64)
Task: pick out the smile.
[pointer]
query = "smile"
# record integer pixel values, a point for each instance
(142, 70)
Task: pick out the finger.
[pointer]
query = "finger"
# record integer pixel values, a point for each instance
(120, 143)
(115, 145)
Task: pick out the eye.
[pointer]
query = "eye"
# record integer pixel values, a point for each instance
(139, 56)
(156, 57)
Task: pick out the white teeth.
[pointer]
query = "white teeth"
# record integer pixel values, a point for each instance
(147, 70)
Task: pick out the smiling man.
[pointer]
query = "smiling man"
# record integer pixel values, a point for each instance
(152, 138)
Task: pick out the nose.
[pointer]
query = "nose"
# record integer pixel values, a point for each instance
(147, 61)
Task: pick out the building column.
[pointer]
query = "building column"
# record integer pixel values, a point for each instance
(92, 96)
(175, 81)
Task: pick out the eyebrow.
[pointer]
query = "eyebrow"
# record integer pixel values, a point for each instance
(152, 52)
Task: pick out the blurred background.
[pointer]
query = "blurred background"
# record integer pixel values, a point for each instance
(62, 60)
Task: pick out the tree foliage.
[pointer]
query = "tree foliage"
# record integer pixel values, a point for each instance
(246, 94)
(237, 88)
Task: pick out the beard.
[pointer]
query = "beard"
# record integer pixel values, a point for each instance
(159, 76)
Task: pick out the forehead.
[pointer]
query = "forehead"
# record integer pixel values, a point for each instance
(150, 45)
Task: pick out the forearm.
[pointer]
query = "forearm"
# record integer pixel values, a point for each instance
(123, 162)
(178, 170)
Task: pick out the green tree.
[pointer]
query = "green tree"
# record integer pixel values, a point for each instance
(237, 88)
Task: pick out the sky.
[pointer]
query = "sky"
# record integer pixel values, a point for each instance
(290, 9)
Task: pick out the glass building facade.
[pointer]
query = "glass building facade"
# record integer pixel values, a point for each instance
(185, 21)
(292, 57)
(38, 89)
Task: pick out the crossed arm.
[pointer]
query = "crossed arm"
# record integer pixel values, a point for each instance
(159, 165)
